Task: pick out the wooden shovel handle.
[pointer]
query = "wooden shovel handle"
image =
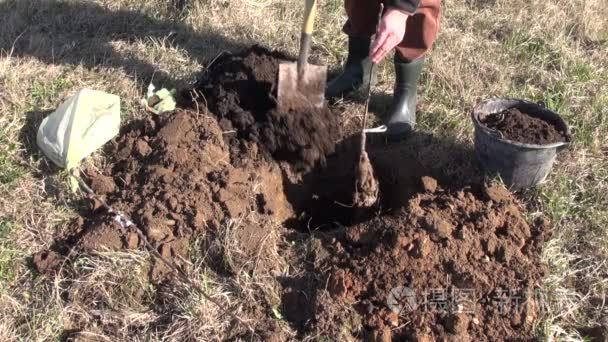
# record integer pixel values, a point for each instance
(310, 13)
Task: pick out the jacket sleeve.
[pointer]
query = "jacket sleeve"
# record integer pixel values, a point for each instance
(408, 6)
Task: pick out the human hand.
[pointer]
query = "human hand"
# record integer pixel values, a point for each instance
(390, 33)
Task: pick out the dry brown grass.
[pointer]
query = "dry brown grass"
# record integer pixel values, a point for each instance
(550, 50)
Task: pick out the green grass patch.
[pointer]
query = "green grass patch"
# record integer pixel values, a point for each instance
(559, 200)
(580, 71)
(10, 170)
(553, 97)
(49, 92)
(8, 253)
(589, 121)
(569, 198)
(533, 50)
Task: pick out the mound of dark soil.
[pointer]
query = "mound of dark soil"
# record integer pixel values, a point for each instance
(241, 90)
(524, 128)
(457, 266)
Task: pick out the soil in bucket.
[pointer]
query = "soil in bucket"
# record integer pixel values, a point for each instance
(190, 175)
(521, 127)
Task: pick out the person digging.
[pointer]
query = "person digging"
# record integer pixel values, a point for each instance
(407, 26)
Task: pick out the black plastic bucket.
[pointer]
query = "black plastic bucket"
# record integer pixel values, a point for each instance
(519, 165)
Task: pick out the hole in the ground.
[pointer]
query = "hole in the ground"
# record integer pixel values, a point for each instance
(325, 194)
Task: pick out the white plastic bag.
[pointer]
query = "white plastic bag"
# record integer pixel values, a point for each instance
(82, 124)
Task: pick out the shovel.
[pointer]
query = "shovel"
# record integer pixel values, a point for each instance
(302, 85)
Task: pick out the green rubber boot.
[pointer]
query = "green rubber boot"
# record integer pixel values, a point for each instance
(355, 76)
(400, 119)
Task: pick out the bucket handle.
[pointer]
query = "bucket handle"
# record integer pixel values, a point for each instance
(495, 132)
(562, 147)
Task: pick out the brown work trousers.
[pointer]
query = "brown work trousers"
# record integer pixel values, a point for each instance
(421, 28)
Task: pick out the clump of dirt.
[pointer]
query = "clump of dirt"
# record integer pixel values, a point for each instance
(241, 90)
(47, 261)
(524, 128)
(172, 176)
(457, 265)
(103, 184)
